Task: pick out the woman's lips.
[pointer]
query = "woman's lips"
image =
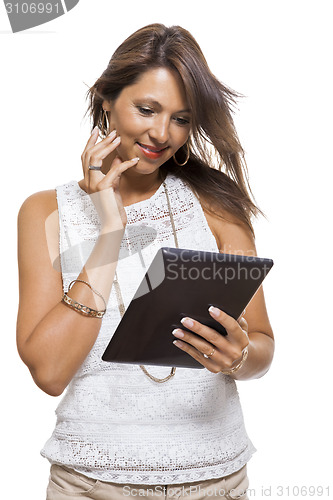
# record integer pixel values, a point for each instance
(150, 151)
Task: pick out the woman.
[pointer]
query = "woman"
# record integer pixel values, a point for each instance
(123, 430)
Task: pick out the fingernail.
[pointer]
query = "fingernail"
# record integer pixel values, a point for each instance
(178, 333)
(178, 343)
(187, 322)
(94, 130)
(135, 159)
(214, 311)
(114, 132)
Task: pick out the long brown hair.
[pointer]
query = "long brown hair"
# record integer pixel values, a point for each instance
(216, 169)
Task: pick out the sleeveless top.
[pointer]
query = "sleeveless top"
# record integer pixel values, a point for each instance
(113, 422)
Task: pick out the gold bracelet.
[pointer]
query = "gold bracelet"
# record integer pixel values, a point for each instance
(91, 288)
(85, 310)
(240, 364)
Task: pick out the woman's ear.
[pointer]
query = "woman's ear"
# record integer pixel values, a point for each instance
(106, 105)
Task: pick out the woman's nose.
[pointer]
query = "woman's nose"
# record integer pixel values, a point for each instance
(160, 131)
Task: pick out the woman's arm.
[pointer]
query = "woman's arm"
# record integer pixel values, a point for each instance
(234, 238)
(52, 339)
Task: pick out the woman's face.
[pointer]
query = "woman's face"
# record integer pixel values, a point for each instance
(152, 117)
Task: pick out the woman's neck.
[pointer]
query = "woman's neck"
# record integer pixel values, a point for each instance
(136, 187)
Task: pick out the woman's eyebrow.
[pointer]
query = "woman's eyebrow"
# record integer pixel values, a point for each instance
(153, 101)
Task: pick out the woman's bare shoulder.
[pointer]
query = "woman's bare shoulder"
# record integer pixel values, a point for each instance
(39, 204)
(38, 221)
(231, 234)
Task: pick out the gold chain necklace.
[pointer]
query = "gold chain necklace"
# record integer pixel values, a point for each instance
(121, 302)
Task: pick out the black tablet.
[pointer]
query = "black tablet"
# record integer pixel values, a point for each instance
(179, 283)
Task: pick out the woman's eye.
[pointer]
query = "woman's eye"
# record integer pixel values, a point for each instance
(148, 112)
(182, 121)
(145, 111)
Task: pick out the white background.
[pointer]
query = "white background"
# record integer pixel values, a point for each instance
(279, 55)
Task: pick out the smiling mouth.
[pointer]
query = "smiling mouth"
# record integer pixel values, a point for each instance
(151, 149)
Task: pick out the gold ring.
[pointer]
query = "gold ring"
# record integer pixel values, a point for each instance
(209, 355)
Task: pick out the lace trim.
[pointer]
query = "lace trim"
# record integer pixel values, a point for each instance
(182, 475)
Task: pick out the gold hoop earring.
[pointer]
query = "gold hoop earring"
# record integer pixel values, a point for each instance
(105, 127)
(187, 156)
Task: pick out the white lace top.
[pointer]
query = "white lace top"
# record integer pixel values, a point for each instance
(114, 423)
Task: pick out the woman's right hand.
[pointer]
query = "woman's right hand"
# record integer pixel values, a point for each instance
(104, 188)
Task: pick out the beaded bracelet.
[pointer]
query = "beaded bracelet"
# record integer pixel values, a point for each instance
(77, 306)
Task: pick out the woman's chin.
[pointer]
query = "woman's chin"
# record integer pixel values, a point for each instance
(145, 169)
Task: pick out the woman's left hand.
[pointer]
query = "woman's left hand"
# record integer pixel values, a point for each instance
(223, 352)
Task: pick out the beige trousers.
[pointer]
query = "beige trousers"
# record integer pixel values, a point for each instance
(65, 483)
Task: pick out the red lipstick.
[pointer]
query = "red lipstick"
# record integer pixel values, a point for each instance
(150, 151)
